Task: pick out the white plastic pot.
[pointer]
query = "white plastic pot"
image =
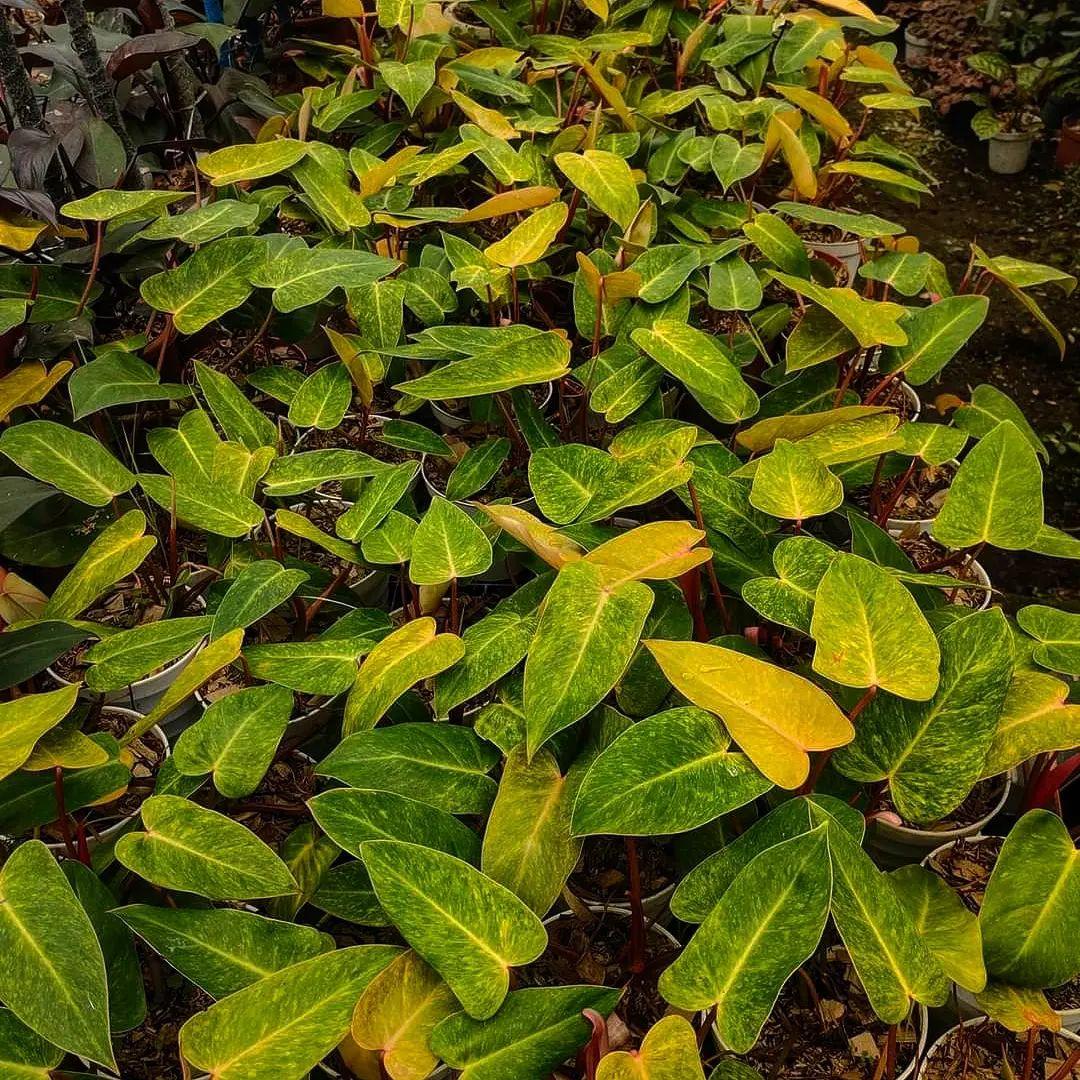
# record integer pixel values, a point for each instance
(977, 568)
(142, 694)
(846, 252)
(452, 421)
(915, 401)
(921, 525)
(1009, 152)
(898, 845)
(110, 830)
(938, 1043)
(916, 49)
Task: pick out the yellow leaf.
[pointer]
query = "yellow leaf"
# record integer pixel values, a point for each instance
(669, 1051)
(355, 361)
(273, 127)
(591, 275)
(871, 58)
(490, 120)
(527, 241)
(397, 1012)
(774, 715)
(852, 7)
(343, 9)
(18, 232)
(822, 110)
(610, 94)
(598, 7)
(621, 285)
(658, 551)
(363, 1063)
(792, 118)
(378, 176)
(795, 426)
(19, 599)
(539, 537)
(802, 172)
(28, 384)
(492, 58)
(510, 202)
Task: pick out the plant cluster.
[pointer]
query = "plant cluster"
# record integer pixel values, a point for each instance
(488, 516)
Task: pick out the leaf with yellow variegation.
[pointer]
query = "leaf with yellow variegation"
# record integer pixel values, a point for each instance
(795, 426)
(820, 108)
(669, 1051)
(1036, 718)
(490, 120)
(19, 232)
(774, 715)
(655, 552)
(397, 1012)
(528, 241)
(539, 537)
(1018, 1008)
(802, 170)
(373, 180)
(28, 384)
(510, 202)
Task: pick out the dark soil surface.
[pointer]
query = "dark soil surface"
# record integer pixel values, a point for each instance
(1031, 216)
(595, 952)
(966, 867)
(834, 1034)
(924, 552)
(602, 873)
(986, 1051)
(279, 803)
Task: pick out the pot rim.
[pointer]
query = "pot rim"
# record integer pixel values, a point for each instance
(1069, 1036)
(951, 836)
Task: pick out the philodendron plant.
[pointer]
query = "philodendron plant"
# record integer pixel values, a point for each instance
(490, 514)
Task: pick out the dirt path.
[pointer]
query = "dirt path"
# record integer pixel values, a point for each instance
(1033, 216)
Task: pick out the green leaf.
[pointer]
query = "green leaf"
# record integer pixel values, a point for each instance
(406, 435)
(236, 738)
(667, 774)
(323, 398)
(663, 270)
(932, 752)
(951, 932)
(445, 765)
(353, 816)
(134, 205)
(869, 631)
(585, 639)
(535, 1030)
(208, 284)
(25, 719)
(113, 554)
(233, 164)
(539, 358)
(476, 468)
(776, 716)
(732, 162)
(222, 950)
(377, 498)
(467, 927)
(187, 847)
(935, 335)
(528, 843)
(25, 1055)
(286, 1023)
(128, 655)
(987, 408)
(408, 655)
(606, 181)
(996, 496)
(764, 927)
(702, 366)
(127, 999)
(295, 473)
(321, 666)
(891, 960)
(260, 587)
(29, 650)
(301, 276)
(903, 271)
(323, 177)
(204, 506)
(701, 889)
(565, 479)
(203, 223)
(494, 645)
(791, 483)
(118, 378)
(779, 243)
(1058, 635)
(1030, 914)
(1018, 1008)
(410, 82)
(817, 338)
(734, 285)
(1035, 719)
(788, 599)
(873, 322)
(239, 419)
(391, 542)
(52, 973)
(447, 545)
(75, 463)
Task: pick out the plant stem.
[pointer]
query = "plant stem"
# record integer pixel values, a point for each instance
(690, 583)
(890, 506)
(1067, 1066)
(99, 86)
(92, 276)
(823, 759)
(714, 583)
(455, 614)
(637, 914)
(1029, 1051)
(61, 812)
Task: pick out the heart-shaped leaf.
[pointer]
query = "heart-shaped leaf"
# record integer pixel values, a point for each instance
(24, 720)
(1058, 635)
(606, 181)
(187, 847)
(1035, 718)
(469, 928)
(669, 1051)
(791, 483)
(447, 545)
